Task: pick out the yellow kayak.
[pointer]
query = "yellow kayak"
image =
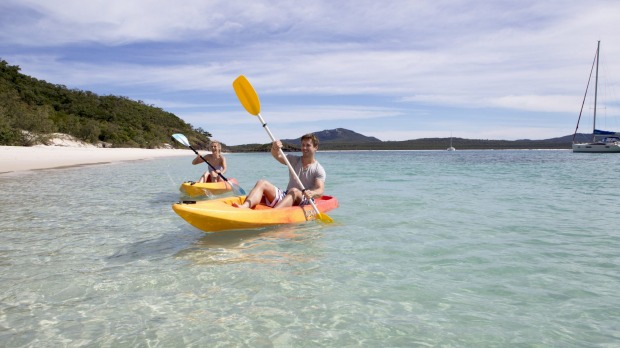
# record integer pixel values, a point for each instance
(197, 189)
(219, 214)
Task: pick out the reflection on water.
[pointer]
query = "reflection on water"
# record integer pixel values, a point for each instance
(283, 243)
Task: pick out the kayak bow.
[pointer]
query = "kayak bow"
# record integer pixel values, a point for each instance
(199, 189)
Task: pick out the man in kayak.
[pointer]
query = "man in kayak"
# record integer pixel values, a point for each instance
(217, 161)
(309, 171)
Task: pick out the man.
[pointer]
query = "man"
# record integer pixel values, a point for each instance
(309, 171)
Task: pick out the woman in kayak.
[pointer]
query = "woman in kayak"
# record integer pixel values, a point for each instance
(309, 171)
(217, 161)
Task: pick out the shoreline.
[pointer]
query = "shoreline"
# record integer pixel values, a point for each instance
(15, 159)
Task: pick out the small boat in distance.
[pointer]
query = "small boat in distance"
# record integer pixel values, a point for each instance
(451, 148)
(602, 141)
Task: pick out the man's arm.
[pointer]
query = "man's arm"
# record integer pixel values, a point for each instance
(275, 151)
(317, 190)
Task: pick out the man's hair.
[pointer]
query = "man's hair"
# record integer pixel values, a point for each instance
(312, 137)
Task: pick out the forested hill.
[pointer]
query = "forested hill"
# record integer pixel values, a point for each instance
(344, 139)
(41, 108)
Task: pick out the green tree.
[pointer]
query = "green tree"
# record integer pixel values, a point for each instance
(38, 107)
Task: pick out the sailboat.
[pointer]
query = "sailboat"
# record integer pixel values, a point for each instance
(602, 141)
(451, 148)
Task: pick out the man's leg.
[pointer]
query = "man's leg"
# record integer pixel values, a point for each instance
(262, 188)
(293, 197)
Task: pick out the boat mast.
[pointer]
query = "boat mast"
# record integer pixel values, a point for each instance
(585, 95)
(598, 48)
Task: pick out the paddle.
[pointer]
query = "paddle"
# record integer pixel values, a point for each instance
(249, 99)
(237, 190)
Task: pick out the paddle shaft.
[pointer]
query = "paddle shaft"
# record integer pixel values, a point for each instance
(288, 164)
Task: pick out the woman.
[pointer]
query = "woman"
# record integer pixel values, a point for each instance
(217, 161)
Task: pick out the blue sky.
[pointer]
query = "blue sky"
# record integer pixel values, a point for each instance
(395, 70)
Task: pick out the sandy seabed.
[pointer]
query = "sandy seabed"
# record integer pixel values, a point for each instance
(19, 158)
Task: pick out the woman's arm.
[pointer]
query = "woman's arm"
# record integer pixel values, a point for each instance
(223, 170)
(197, 160)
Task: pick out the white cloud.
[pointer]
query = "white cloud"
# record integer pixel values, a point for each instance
(382, 59)
(303, 114)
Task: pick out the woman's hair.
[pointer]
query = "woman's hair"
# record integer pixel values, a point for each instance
(219, 145)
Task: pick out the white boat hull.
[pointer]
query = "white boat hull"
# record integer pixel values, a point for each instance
(597, 147)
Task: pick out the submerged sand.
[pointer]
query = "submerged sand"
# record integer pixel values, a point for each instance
(19, 158)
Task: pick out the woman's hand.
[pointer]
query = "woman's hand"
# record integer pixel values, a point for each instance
(214, 175)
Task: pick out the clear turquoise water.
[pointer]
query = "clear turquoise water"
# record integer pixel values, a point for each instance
(465, 248)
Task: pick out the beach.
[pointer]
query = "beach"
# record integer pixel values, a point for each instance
(22, 158)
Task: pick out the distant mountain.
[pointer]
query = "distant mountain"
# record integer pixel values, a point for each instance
(338, 135)
(569, 138)
(344, 139)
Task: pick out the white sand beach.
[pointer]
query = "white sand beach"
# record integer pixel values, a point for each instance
(19, 158)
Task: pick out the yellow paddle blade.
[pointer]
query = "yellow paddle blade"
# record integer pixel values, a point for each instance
(324, 218)
(247, 95)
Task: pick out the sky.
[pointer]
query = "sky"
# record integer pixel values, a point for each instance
(395, 70)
